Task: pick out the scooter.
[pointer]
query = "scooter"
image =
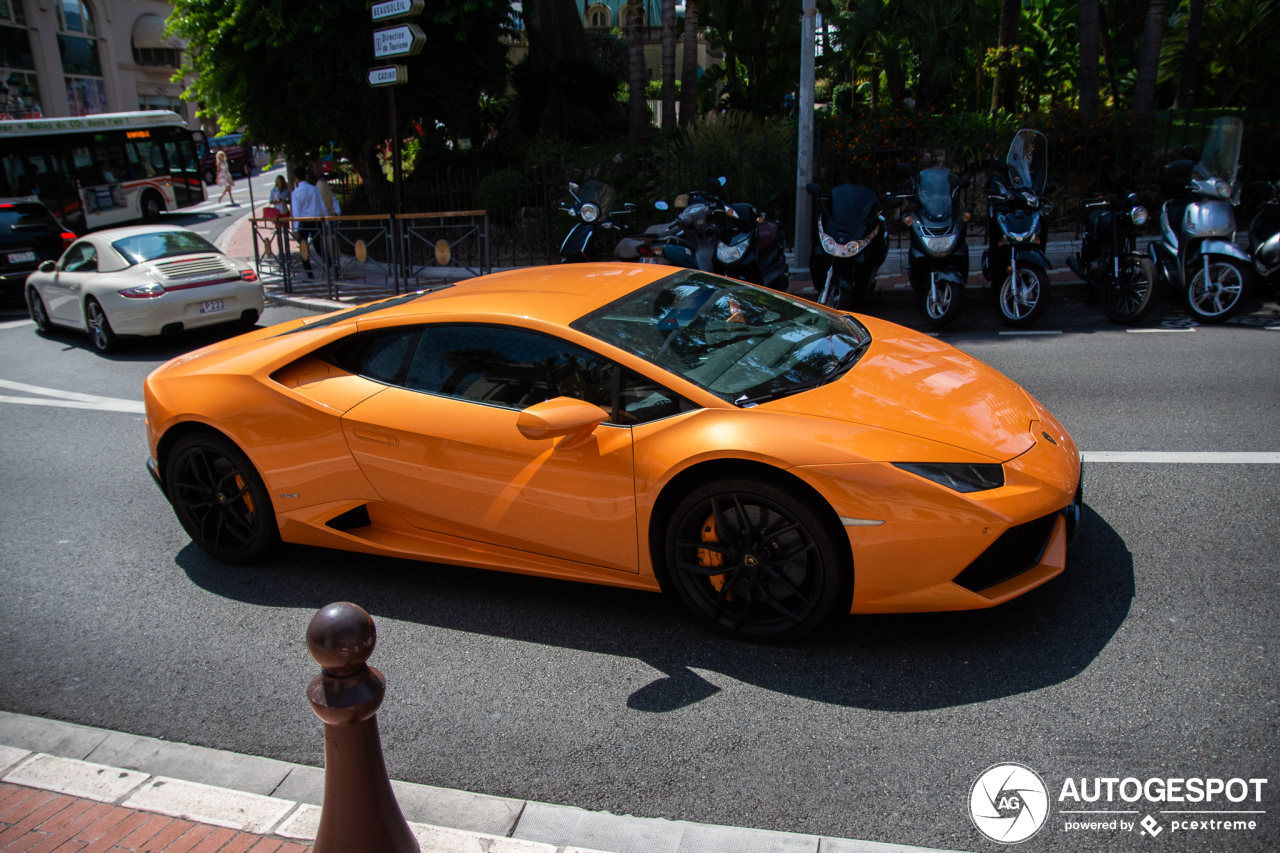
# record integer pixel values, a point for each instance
(593, 207)
(1109, 259)
(751, 247)
(852, 244)
(689, 240)
(1017, 228)
(938, 261)
(1196, 252)
(1264, 240)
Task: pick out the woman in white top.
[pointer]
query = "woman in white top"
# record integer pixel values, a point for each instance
(280, 196)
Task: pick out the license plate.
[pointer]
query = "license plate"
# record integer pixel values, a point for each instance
(215, 305)
(21, 257)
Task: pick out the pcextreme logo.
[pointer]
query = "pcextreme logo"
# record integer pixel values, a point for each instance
(1009, 803)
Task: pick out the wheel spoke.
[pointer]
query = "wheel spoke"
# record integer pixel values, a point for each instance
(747, 601)
(704, 571)
(795, 590)
(722, 529)
(724, 594)
(777, 605)
(713, 547)
(804, 549)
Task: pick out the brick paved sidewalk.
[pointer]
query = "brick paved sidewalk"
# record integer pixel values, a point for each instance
(35, 821)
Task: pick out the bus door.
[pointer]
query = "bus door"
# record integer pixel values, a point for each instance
(188, 186)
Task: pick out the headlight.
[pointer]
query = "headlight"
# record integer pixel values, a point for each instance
(589, 212)
(853, 247)
(731, 254)
(1222, 187)
(144, 291)
(940, 244)
(1138, 215)
(977, 477)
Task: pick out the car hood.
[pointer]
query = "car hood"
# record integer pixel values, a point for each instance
(914, 384)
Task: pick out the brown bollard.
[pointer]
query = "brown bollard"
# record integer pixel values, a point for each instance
(360, 812)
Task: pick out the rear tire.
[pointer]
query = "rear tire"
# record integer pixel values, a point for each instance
(1023, 302)
(1222, 296)
(152, 206)
(100, 334)
(1131, 297)
(219, 499)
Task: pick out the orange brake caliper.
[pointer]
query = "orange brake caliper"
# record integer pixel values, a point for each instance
(248, 499)
(712, 559)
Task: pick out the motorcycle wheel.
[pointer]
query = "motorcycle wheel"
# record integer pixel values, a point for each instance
(1222, 295)
(835, 296)
(1022, 302)
(941, 312)
(1131, 297)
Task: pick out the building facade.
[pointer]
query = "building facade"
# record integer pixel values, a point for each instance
(81, 57)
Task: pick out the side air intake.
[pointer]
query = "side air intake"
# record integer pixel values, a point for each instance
(1018, 549)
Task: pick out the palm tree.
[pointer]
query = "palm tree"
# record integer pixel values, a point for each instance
(1144, 90)
(1004, 94)
(689, 75)
(1088, 32)
(668, 64)
(1187, 79)
(633, 15)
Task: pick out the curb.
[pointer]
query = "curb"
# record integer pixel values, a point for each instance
(282, 800)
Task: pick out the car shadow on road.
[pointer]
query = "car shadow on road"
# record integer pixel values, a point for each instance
(889, 663)
(154, 348)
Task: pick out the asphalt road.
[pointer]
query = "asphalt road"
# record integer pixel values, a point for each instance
(1153, 655)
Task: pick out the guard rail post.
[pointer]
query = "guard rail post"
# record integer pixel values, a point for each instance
(360, 813)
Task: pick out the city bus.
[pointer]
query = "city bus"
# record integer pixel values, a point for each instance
(99, 170)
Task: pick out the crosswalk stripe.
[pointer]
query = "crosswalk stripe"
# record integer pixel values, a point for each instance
(1185, 458)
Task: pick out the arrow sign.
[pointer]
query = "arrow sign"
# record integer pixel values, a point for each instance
(404, 40)
(388, 75)
(397, 9)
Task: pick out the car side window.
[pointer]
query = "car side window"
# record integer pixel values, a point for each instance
(81, 257)
(381, 356)
(508, 367)
(642, 400)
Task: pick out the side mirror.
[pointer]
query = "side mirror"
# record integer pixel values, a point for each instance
(573, 187)
(814, 190)
(560, 416)
(904, 168)
(661, 205)
(47, 266)
(723, 180)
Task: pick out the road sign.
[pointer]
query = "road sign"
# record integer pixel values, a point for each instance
(397, 9)
(388, 75)
(404, 40)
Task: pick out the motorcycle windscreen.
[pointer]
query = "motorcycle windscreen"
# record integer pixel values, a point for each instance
(1221, 150)
(933, 194)
(600, 194)
(1028, 160)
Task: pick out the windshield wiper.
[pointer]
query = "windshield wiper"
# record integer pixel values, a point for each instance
(842, 364)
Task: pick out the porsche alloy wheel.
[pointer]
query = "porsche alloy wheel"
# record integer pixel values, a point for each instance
(754, 561)
(220, 499)
(104, 340)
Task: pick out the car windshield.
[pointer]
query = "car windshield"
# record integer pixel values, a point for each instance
(744, 343)
(933, 191)
(141, 248)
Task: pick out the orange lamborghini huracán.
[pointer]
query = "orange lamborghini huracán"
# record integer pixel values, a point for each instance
(770, 461)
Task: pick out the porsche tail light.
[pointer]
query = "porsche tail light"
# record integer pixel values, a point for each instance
(144, 291)
(248, 275)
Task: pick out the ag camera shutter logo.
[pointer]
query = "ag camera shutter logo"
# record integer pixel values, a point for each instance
(1008, 803)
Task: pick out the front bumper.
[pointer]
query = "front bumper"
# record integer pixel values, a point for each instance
(154, 470)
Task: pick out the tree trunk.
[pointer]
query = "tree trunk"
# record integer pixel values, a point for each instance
(689, 75)
(1004, 94)
(668, 64)
(1109, 55)
(1187, 80)
(1144, 90)
(1089, 56)
(639, 132)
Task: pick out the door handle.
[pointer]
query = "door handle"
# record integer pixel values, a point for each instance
(377, 437)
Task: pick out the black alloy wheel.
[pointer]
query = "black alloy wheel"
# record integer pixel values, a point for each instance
(39, 315)
(1132, 296)
(100, 334)
(220, 500)
(755, 561)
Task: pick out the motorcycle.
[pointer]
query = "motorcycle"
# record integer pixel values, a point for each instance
(1109, 259)
(1196, 253)
(852, 244)
(1264, 240)
(751, 247)
(938, 261)
(593, 207)
(1017, 230)
(690, 240)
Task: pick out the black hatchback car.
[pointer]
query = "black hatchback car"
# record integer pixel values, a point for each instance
(29, 234)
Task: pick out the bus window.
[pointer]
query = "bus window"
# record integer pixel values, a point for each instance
(143, 157)
(110, 161)
(64, 195)
(87, 172)
(14, 180)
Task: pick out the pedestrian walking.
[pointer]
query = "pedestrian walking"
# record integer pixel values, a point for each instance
(224, 178)
(306, 203)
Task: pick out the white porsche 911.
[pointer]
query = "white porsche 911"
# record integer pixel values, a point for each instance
(144, 280)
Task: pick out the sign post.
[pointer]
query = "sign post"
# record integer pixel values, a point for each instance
(400, 40)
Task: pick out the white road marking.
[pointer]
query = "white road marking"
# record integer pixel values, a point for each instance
(68, 399)
(1191, 458)
(16, 324)
(1142, 331)
(1272, 328)
(77, 778)
(207, 804)
(1034, 332)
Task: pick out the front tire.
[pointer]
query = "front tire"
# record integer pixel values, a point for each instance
(1222, 295)
(942, 311)
(1131, 297)
(837, 296)
(1024, 301)
(39, 314)
(755, 561)
(104, 340)
(220, 500)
